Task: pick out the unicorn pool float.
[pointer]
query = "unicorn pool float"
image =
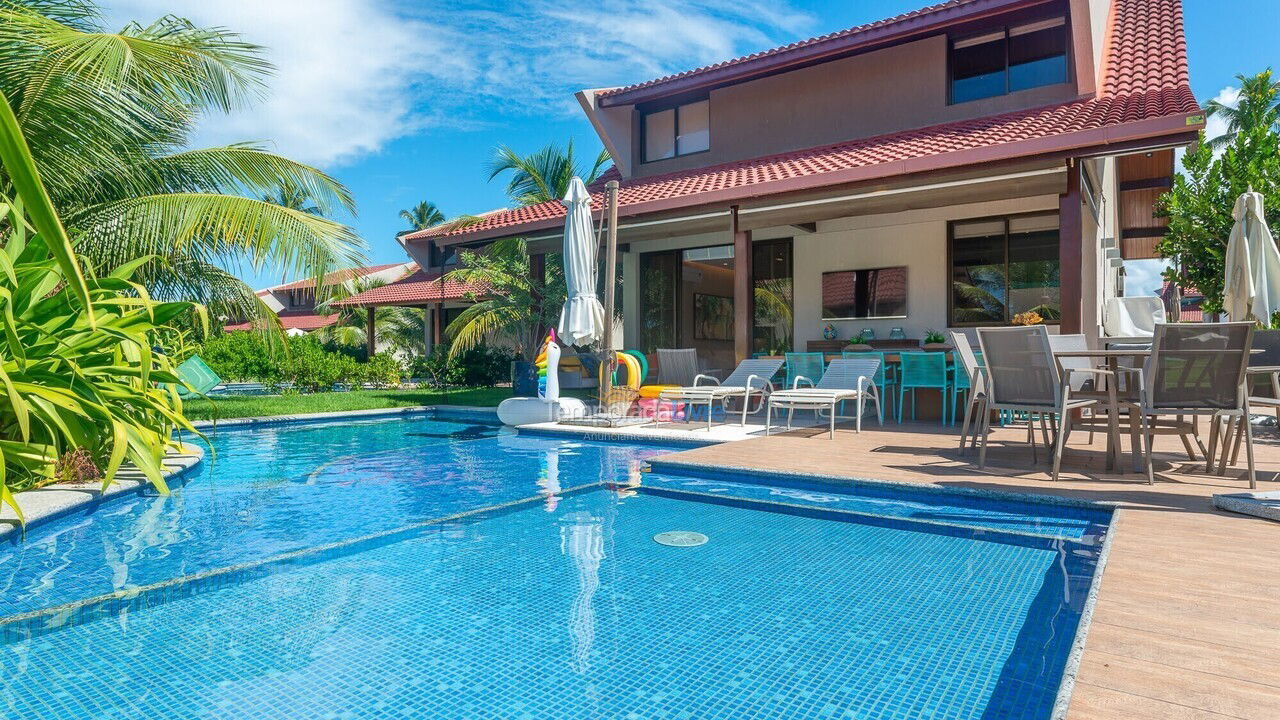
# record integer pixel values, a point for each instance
(548, 406)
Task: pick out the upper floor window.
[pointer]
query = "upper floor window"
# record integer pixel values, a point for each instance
(676, 131)
(1009, 59)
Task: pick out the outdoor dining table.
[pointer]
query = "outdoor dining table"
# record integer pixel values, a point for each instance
(1112, 356)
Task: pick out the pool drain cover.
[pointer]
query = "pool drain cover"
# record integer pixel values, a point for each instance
(680, 538)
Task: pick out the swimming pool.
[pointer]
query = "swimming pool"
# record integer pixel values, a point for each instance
(422, 567)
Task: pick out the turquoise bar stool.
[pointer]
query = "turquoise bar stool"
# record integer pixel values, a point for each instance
(884, 378)
(808, 365)
(923, 370)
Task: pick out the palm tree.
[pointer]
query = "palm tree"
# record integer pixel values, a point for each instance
(109, 117)
(1258, 107)
(545, 174)
(514, 310)
(422, 216)
(401, 329)
(289, 195)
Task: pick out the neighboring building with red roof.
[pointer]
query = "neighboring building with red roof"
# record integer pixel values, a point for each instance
(1188, 301)
(295, 302)
(1000, 153)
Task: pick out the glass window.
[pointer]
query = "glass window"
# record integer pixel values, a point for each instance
(677, 131)
(659, 135)
(977, 68)
(771, 268)
(1034, 266)
(693, 127)
(1008, 60)
(1003, 267)
(1037, 54)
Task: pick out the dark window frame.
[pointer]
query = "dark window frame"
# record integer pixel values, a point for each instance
(950, 269)
(1069, 53)
(674, 107)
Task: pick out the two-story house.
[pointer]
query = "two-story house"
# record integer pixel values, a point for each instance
(947, 168)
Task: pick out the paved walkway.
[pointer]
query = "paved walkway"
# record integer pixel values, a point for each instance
(1187, 623)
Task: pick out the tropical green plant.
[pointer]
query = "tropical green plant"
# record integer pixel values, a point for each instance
(514, 310)
(244, 357)
(401, 329)
(543, 175)
(80, 379)
(422, 216)
(109, 118)
(312, 368)
(1258, 105)
(481, 366)
(293, 196)
(383, 370)
(1199, 205)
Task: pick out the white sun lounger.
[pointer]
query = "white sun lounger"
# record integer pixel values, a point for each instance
(845, 380)
(751, 377)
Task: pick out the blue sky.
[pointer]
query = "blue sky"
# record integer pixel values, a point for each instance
(405, 101)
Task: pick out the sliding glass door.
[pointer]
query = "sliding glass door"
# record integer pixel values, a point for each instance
(687, 300)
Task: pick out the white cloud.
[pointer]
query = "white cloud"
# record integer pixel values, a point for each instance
(346, 71)
(353, 75)
(1216, 125)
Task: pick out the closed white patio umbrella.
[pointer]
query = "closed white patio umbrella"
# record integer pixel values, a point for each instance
(1252, 281)
(582, 318)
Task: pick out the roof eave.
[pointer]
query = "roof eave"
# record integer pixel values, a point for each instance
(1176, 128)
(817, 52)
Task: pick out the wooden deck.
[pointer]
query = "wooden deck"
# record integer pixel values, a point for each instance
(1187, 624)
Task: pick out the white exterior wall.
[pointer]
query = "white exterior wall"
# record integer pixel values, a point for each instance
(916, 239)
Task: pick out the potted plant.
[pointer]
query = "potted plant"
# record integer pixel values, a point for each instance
(1030, 317)
(934, 340)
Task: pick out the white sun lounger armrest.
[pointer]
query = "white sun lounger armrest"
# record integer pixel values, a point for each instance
(700, 377)
(796, 383)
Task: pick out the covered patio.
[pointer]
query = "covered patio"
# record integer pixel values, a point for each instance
(439, 297)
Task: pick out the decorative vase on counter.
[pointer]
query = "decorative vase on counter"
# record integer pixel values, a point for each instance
(829, 332)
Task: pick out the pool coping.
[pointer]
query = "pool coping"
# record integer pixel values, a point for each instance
(51, 502)
(844, 481)
(302, 418)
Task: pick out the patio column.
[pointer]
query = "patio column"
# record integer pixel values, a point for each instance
(538, 274)
(743, 295)
(428, 335)
(1070, 230)
(371, 344)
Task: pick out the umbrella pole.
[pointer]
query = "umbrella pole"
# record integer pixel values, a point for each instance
(610, 264)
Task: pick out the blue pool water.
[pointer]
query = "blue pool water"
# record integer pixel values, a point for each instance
(316, 579)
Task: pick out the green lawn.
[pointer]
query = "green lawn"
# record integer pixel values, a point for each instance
(265, 405)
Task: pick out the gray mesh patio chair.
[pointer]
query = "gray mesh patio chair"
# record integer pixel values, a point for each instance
(1263, 374)
(677, 367)
(1197, 369)
(845, 380)
(750, 379)
(976, 404)
(1023, 377)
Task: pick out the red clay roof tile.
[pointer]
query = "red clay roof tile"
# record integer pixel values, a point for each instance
(293, 320)
(334, 277)
(420, 287)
